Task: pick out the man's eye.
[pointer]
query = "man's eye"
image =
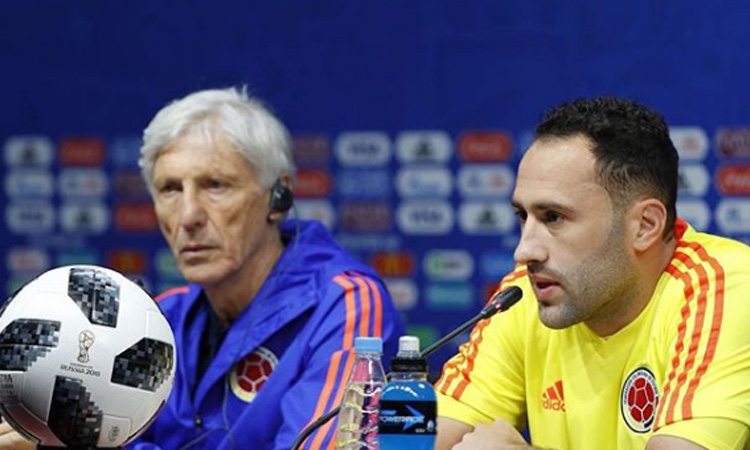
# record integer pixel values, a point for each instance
(216, 184)
(552, 217)
(521, 215)
(167, 188)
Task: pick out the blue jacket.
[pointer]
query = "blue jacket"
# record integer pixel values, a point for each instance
(300, 329)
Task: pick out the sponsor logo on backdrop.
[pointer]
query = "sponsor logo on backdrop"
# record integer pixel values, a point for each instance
(135, 217)
(82, 151)
(320, 210)
(486, 217)
(733, 215)
(454, 296)
(29, 183)
(733, 180)
(693, 179)
(31, 217)
(127, 261)
(733, 142)
(453, 265)
(365, 216)
(485, 146)
(312, 149)
(485, 180)
(129, 185)
(363, 183)
(403, 292)
(424, 146)
(68, 257)
(84, 218)
(83, 183)
(27, 260)
(393, 264)
(691, 142)
(424, 182)
(428, 217)
(29, 151)
(496, 263)
(369, 242)
(696, 212)
(363, 148)
(312, 183)
(166, 265)
(125, 150)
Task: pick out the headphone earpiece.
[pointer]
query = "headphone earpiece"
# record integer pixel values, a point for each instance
(281, 198)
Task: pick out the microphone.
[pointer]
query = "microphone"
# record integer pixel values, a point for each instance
(502, 301)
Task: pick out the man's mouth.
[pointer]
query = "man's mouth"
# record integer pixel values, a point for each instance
(194, 248)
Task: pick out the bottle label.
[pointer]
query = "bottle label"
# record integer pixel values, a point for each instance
(407, 417)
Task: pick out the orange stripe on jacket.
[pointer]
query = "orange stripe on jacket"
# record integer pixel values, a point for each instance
(351, 310)
(377, 329)
(364, 295)
(340, 395)
(333, 368)
(168, 292)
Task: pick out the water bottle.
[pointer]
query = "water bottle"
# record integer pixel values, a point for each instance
(408, 405)
(358, 417)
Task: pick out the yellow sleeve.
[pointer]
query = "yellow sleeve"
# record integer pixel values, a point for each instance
(708, 368)
(485, 380)
(713, 433)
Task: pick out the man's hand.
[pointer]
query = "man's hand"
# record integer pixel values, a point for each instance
(11, 440)
(499, 435)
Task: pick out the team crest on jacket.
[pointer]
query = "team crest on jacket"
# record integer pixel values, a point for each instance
(639, 399)
(250, 374)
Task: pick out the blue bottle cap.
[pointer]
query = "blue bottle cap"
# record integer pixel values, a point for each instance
(368, 344)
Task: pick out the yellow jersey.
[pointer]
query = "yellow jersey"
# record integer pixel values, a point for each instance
(681, 368)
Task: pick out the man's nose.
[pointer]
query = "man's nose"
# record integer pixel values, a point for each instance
(192, 213)
(531, 246)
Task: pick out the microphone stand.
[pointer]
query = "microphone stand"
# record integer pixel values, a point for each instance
(501, 301)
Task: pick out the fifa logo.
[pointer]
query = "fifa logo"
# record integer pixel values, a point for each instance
(85, 341)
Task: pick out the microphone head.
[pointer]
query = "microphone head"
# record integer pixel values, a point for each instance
(502, 301)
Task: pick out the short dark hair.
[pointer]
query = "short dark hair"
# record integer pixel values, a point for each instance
(634, 155)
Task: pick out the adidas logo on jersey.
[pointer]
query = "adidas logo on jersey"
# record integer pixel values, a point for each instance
(553, 398)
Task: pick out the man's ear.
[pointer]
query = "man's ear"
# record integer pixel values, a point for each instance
(649, 219)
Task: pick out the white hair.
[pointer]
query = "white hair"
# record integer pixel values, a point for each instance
(245, 122)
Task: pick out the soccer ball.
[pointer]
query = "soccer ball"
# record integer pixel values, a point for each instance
(87, 358)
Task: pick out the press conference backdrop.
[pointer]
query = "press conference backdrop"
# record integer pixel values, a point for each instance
(409, 119)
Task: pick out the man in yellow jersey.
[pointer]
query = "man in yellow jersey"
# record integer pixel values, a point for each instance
(635, 329)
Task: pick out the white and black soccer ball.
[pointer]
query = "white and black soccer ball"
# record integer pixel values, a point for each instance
(87, 358)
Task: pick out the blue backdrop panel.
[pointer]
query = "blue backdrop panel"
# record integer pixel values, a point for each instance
(409, 119)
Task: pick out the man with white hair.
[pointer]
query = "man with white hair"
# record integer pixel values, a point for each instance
(265, 328)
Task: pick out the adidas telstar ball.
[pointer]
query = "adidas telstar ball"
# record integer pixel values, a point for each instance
(87, 359)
